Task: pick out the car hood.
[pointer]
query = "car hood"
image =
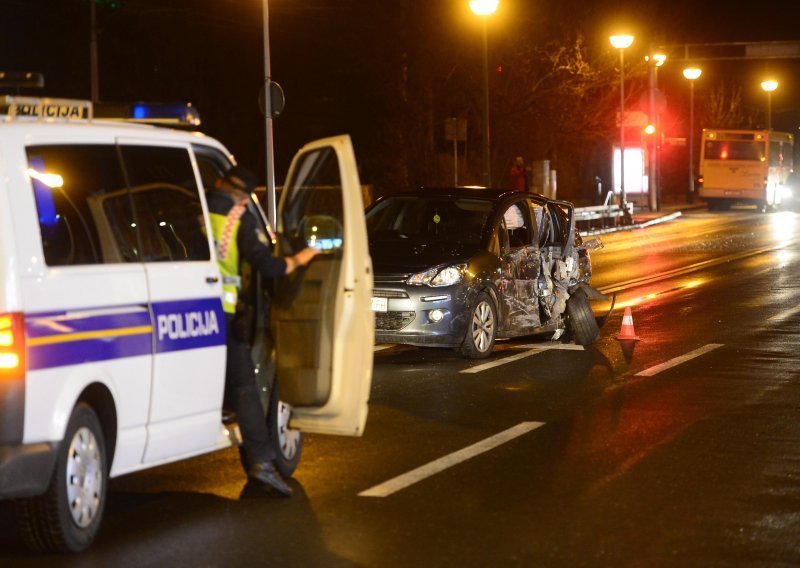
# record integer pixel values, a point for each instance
(407, 255)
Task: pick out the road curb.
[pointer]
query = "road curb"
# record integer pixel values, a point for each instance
(640, 225)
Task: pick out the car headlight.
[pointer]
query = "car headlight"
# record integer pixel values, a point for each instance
(439, 276)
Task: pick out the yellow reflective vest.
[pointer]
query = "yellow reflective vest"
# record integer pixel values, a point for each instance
(225, 230)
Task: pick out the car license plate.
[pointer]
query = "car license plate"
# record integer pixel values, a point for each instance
(380, 304)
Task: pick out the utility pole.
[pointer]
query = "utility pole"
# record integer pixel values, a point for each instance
(93, 71)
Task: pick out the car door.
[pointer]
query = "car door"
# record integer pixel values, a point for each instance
(185, 299)
(519, 254)
(321, 318)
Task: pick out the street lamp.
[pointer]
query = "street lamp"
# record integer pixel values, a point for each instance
(484, 9)
(769, 86)
(622, 42)
(691, 73)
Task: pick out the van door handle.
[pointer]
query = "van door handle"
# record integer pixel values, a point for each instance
(212, 279)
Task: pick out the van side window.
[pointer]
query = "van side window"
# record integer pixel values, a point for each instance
(314, 193)
(166, 203)
(70, 184)
(211, 163)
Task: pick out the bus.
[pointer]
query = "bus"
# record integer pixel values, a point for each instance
(745, 166)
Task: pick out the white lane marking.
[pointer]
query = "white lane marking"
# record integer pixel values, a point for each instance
(678, 360)
(534, 350)
(437, 466)
(503, 361)
(556, 346)
(384, 346)
(783, 315)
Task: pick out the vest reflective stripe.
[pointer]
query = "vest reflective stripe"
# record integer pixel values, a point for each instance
(225, 229)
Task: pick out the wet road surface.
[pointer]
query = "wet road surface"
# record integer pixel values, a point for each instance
(681, 449)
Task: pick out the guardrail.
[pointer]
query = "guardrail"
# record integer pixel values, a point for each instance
(603, 216)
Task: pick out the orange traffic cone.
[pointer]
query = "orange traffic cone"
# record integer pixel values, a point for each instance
(626, 332)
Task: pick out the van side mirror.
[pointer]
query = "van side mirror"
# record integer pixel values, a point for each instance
(322, 232)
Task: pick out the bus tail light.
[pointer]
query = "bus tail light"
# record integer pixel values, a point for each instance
(12, 346)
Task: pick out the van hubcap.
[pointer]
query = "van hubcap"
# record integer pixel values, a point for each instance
(84, 477)
(287, 438)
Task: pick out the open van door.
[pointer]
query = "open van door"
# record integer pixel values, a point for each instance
(321, 318)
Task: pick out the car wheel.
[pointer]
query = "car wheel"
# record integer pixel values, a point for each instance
(67, 516)
(580, 319)
(481, 329)
(288, 443)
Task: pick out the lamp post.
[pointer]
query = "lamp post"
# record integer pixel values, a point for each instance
(691, 73)
(484, 9)
(622, 42)
(272, 209)
(655, 61)
(769, 86)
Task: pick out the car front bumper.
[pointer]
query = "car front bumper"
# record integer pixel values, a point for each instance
(411, 314)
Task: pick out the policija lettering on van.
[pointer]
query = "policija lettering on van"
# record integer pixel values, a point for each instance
(76, 111)
(188, 324)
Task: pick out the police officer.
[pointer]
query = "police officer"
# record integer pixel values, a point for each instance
(240, 237)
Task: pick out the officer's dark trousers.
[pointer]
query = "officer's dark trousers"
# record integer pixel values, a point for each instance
(241, 396)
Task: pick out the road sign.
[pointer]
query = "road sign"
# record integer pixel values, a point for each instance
(455, 129)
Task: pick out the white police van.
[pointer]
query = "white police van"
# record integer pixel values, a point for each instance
(112, 335)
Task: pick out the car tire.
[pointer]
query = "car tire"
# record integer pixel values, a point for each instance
(66, 518)
(288, 443)
(481, 328)
(581, 323)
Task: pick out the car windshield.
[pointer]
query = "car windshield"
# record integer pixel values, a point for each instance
(429, 218)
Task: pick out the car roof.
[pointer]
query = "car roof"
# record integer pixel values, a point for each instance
(454, 192)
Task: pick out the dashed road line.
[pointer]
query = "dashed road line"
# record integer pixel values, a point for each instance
(678, 360)
(784, 315)
(533, 350)
(437, 466)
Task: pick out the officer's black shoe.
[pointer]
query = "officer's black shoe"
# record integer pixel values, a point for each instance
(267, 474)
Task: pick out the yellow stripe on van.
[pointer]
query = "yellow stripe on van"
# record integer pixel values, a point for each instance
(67, 337)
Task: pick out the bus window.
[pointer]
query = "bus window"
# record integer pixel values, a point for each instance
(749, 150)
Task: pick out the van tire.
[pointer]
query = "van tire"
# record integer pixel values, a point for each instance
(581, 323)
(47, 522)
(288, 443)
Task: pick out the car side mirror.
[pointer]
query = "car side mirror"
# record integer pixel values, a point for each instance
(322, 232)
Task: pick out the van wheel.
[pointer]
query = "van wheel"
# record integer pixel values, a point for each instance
(67, 516)
(580, 319)
(481, 329)
(288, 443)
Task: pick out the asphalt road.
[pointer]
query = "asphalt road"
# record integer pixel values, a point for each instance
(680, 449)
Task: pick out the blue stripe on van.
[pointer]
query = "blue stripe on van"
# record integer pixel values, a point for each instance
(188, 324)
(57, 339)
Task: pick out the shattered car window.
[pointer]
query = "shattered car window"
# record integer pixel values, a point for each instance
(519, 232)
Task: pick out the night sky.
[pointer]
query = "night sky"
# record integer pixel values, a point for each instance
(359, 66)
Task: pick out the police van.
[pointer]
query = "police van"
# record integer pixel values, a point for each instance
(112, 332)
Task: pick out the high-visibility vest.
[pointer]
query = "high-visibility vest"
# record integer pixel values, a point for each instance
(225, 230)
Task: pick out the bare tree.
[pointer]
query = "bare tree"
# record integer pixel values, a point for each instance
(723, 108)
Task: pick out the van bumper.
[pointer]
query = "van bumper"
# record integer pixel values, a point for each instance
(26, 469)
